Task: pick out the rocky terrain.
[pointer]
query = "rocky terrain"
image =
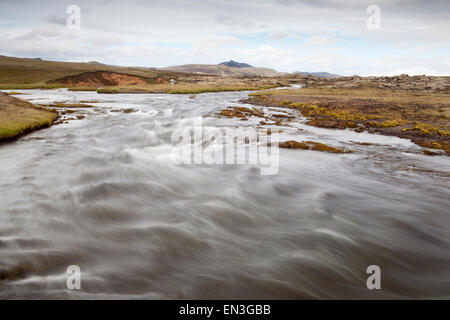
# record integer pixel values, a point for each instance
(318, 74)
(403, 82)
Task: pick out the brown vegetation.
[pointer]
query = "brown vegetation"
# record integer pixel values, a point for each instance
(419, 116)
(16, 73)
(310, 145)
(18, 117)
(401, 82)
(244, 113)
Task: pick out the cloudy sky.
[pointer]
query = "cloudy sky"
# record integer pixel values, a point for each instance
(288, 35)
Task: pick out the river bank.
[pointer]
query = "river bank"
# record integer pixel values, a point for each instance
(423, 117)
(104, 194)
(18, 117)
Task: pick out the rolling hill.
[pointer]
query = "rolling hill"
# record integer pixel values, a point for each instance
(325, 75)
(34, 72)
(226, 69)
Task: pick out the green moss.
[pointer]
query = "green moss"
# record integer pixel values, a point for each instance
(11, 129)
(427, 129)
(107, 90)
(392, 123)
(210, 89)
(82, 89)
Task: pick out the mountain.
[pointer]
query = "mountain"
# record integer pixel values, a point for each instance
(234, 64)
(318, 74)
(224, 70)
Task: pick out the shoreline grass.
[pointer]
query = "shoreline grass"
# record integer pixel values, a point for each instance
(168, 89)
(19, 117)
(30, 86)
(157, 88)
(422, 117)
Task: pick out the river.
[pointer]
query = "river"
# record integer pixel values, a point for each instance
(104, 194)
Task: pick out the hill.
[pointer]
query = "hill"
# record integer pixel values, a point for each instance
(325, 75)
(21, 72)
(225, 70)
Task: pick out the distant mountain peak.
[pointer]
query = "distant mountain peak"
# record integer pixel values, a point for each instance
(96, 62)
(318, 74)
(234, 64)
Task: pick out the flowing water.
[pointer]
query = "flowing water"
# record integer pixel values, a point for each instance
(103, 194)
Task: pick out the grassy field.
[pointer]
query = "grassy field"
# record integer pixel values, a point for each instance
(17, 73)
(18, 117)
(420, 116)
(181, 88)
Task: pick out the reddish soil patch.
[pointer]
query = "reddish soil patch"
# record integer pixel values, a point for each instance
(100, 78)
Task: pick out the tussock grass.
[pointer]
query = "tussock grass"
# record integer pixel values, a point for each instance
(169, 89)
(18, 117)
(213, 89)
(107, 90)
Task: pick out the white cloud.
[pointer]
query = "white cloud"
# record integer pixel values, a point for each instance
(278, 35)
(209, 42)
(289, 35)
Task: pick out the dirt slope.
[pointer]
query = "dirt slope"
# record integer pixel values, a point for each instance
(100, 78)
